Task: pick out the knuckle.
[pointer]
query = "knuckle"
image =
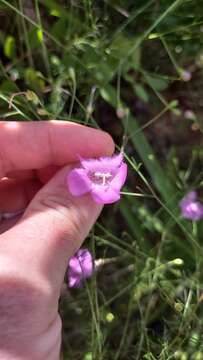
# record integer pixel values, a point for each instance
(52, 202)
(55, 204)
(72, 217)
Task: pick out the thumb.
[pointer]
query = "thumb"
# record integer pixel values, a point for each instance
(51, 230)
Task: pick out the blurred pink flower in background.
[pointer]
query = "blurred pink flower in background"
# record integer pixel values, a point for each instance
(80, 267)
(190, 207)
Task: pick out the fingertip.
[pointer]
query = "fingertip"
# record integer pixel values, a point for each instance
(107, 140)
(110, 145)
(98, 142)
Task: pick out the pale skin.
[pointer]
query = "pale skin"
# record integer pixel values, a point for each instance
(35, 246)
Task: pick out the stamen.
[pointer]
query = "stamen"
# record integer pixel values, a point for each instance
(100, 178)
(103, 176)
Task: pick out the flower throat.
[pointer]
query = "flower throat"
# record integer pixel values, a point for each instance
(100, 178)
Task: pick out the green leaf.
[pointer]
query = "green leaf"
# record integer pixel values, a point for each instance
(157, 83)
(55, 12)
(88, 356)
(109, 95)
(140, 92)
(34, 38)
(10, 47)
(34, 80)
(8, 86)
(40, 35)
(59, 28)
(122, 46)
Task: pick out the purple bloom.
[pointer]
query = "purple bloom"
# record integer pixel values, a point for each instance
(190, 207)
(80, 267)
(102, 177)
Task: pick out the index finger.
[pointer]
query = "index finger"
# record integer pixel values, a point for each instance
(33, 145)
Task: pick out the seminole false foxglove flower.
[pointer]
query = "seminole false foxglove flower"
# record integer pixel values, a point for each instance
(80, 267)
(102, 178)
(190, 207)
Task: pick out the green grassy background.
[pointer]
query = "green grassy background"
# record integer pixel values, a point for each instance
(119, 65)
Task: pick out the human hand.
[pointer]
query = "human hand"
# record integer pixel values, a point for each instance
(35, 158)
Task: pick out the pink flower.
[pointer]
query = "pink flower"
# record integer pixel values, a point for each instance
(80, 267)
(185, 75)
(190, 207)
(102, 178)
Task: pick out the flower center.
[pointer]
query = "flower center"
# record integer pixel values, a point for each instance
(100, 178)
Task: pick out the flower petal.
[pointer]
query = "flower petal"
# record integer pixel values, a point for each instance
(108, 163)
(105, 196)
(193, 211)
(74, 266)
(78, 182)
(120, 178)
(73, 280)
(86, 262)
(187, 199)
